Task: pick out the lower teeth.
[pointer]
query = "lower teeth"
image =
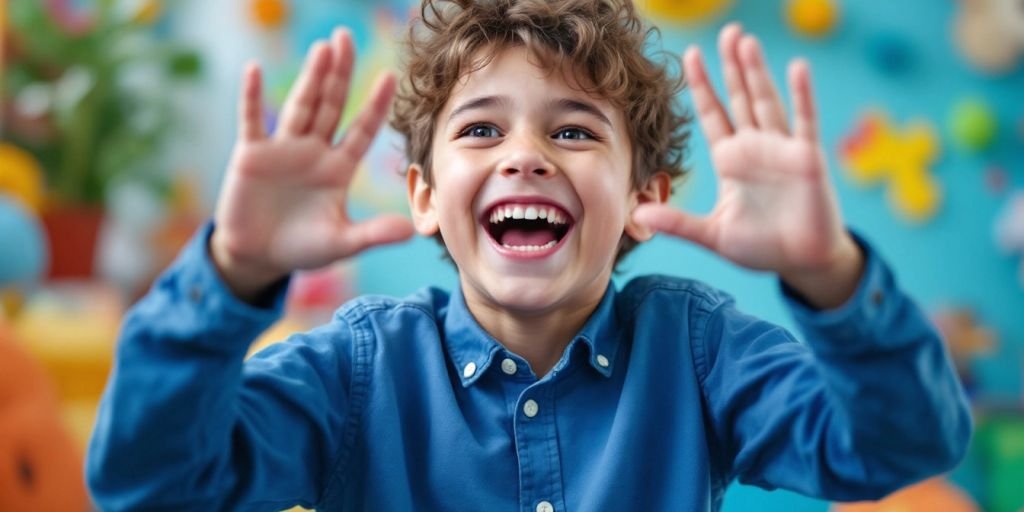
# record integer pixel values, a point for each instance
(529, 248)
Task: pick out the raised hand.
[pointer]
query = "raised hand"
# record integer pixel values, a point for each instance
(776, 208)
(283, 205)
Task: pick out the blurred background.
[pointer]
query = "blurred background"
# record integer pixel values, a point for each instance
(118, 118)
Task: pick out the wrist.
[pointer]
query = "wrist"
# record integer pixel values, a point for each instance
(247, 281)
(832, 284)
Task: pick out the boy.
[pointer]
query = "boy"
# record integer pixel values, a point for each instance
(542, 147)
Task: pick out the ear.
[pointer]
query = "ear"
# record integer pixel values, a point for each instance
(421, 201)
(657, 190)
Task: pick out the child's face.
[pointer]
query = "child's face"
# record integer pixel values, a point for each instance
(516, 138)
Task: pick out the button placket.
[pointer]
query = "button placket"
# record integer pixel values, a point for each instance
(540, 470)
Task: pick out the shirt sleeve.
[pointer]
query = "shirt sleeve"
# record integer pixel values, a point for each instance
(868, 405)
(184, 424)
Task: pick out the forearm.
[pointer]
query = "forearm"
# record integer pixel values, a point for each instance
(868, 404)
(900, 408)
(171, 403)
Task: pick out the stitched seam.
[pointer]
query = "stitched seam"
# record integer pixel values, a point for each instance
(722, 477)
(707, 305)
(362, 345)
(363, 349)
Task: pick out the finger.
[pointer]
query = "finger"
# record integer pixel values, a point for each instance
(739, 99)
(250, 106)
(335, 87)
(767, 105)
(666, 219)
(713, 118)
(805, 117)
(384, 229)
(364, 128)
(298, 110)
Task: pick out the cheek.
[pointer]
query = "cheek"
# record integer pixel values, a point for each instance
(454, 195)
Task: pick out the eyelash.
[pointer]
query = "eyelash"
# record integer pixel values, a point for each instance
(587, 133)
(466, 132)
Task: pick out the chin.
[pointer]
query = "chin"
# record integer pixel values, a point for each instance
(523, 294)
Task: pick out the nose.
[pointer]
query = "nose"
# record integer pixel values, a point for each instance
(526, 157)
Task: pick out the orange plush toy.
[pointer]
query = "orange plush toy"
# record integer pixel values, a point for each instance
(40, 467)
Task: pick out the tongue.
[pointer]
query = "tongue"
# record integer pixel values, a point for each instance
(520, 237)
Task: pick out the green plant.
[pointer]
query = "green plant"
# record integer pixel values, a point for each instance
(91, 99)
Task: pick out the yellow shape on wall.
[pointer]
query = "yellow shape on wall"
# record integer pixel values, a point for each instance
(148, 12)
(684, 11)
(22, 177)
(877, 152)
(812, 18)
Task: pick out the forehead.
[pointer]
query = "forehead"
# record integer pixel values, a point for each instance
(519, 74)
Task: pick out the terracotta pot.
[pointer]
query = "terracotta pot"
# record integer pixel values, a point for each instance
(72, 231)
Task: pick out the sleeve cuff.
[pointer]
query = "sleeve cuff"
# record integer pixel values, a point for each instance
(194, 280)
(850, 328)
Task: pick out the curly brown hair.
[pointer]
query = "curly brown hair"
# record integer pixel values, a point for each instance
(604, 42)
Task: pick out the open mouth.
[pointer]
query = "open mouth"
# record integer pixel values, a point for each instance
(528, 228)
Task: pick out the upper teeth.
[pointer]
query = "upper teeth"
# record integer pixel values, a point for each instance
(528, 212)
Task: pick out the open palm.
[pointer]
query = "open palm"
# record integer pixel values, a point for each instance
(283, 205)
(776, 209)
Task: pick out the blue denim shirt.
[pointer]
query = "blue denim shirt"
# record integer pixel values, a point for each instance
(666, 395)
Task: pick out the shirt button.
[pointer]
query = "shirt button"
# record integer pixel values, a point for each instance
(509, 366)
(877, 297)
(545, 506)
(195, 293)
(602, 361)
(469, 370)
(530, 408)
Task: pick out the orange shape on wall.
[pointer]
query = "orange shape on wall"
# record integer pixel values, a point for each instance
(269, 13)
(40, 466)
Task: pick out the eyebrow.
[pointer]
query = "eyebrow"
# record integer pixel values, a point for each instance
(571, 105)
(560, 105)
(479, 103)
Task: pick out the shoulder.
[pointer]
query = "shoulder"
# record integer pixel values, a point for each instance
(657, 308)
(427, 303)
(678, 293)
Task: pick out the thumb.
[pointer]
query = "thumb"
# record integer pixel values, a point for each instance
(380, 230)
(669, 220)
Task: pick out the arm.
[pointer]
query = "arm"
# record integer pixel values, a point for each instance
(874, 403)
(869, 405)
(184, 423)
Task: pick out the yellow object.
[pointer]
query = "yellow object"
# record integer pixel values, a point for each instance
(684, 11)
(149, 12)
(269, 13)
(877, 152)
(812, 18)
(11, 302)
(277, 333)
(22, 177)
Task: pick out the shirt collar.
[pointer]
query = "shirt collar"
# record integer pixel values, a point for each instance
(469, 345)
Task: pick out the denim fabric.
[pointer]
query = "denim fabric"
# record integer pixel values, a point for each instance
(666, 395)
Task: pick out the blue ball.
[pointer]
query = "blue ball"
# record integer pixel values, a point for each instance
(890, 52)
(24, 253)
